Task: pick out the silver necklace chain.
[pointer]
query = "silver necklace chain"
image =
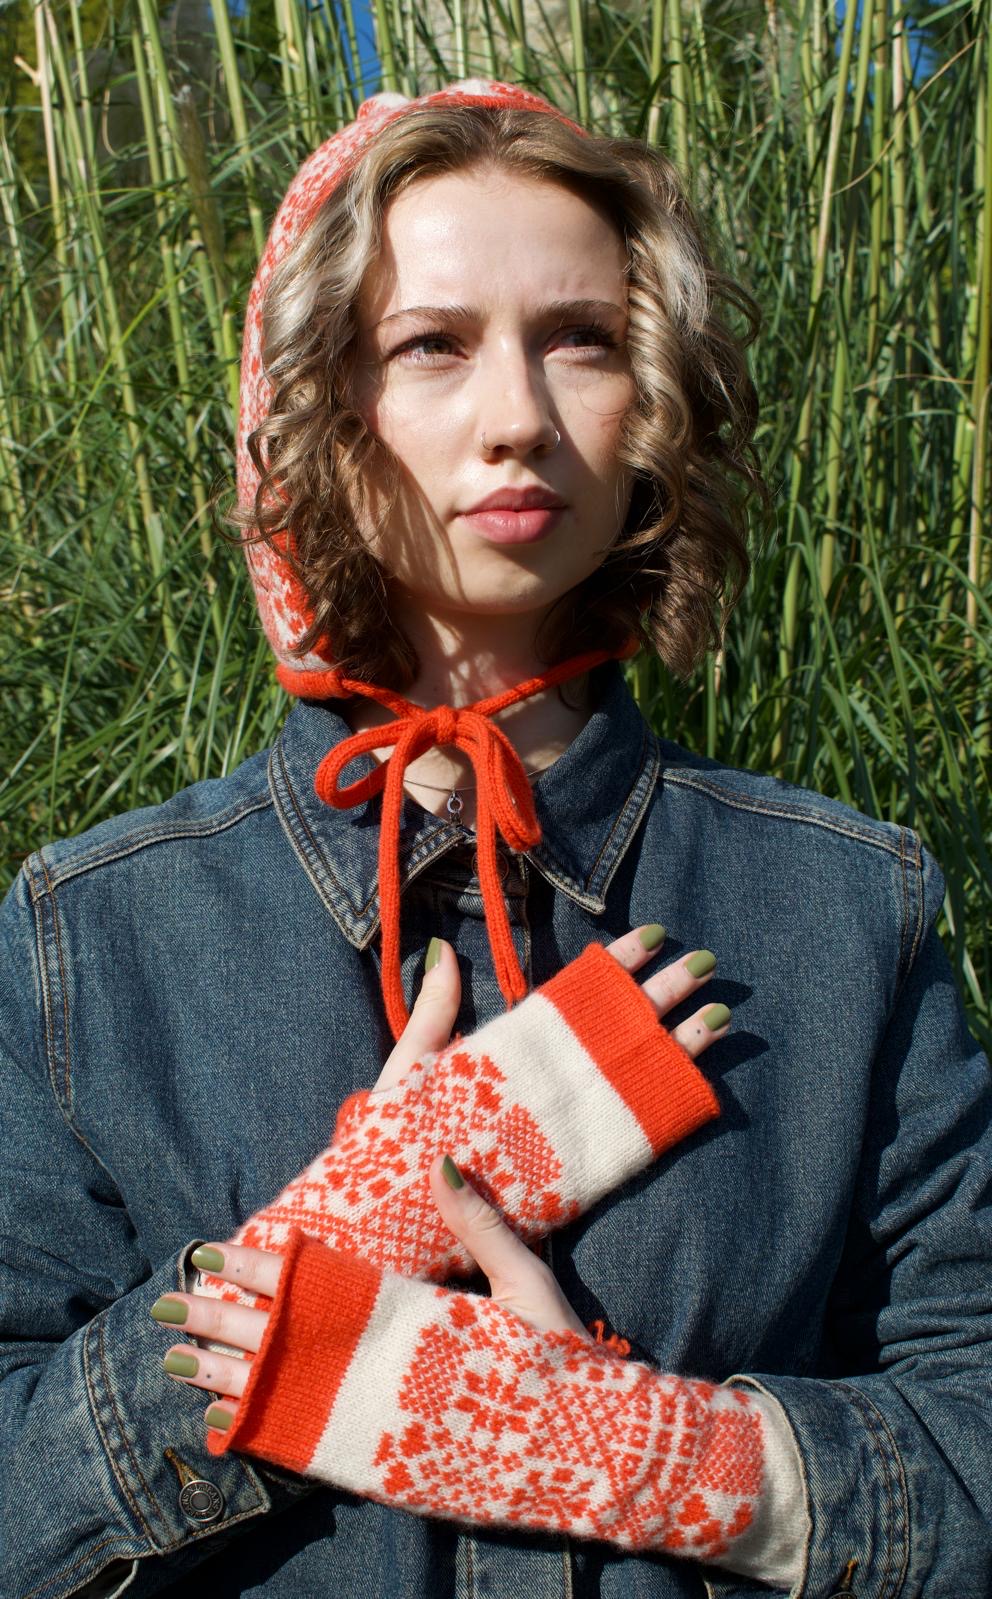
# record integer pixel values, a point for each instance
(455, 806)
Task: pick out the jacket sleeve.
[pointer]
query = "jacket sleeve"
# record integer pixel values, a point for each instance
(895, 1440)
(95, 1441)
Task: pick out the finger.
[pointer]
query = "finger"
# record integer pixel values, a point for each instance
(518, 1279)
(202, 1368)
(702, 1029)
(256, 1270)
(680, 979)
(219, 1416)
(634, 949)
(431, 1019)
(216, 1319)
(676, 981)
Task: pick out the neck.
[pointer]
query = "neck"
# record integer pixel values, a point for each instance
(460, 665)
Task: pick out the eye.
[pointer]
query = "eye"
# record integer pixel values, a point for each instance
(419, 351)
(592, 334)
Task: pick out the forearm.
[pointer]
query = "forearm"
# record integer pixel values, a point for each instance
(546, 1108)
(448, 1405)
(897, 1478)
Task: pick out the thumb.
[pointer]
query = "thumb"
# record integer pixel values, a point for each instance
(431, 1019)
(518, 1279)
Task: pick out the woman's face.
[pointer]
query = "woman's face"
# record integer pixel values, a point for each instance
(496, 312)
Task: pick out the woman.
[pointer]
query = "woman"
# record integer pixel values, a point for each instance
(465, 297)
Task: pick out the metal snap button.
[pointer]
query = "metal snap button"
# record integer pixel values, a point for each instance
(501, 861)
(201, 1501)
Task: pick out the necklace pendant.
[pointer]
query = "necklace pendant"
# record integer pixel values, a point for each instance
(455, 805)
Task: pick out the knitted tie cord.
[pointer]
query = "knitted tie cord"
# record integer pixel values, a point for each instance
(546, 1108)
(505, 801)
(446, 1404)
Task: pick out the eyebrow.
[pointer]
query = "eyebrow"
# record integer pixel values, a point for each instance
(466, 313)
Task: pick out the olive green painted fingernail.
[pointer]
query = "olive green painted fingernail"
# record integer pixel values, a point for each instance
(716, 1017)
(181, 1365)
(451, 1174)
(170, 1310)
(207, 1259)
(702, 962)
(221, 1419)
(652, 936)
(433, 954)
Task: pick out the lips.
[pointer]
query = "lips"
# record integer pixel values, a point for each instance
(502, 526)
(529, 499)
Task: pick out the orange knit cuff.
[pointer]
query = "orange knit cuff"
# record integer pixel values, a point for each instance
(617, 1024)
(321, 1307)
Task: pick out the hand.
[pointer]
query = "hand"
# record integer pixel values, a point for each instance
(436, 1006)
(351, 1164)
(501, 1101)
(519, 1282)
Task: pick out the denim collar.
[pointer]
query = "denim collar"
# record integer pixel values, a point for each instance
(589, 803)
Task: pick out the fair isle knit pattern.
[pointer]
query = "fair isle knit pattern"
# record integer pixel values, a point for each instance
(546, 1108)
(446, 1404)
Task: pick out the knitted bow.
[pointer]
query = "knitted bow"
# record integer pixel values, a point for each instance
(504, 802)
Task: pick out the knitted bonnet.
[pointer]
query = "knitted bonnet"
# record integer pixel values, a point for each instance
(504, 799)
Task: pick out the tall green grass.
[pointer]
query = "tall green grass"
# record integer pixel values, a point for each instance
(851, 190)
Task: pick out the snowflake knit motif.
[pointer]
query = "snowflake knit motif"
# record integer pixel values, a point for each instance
(550, 1431)
(383, 1149)
(546, 1108)
(447, 1404)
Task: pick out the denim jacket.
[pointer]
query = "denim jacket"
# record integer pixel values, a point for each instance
(188, 993)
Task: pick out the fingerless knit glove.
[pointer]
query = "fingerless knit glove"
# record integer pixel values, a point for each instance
(446, 1404)
(545, 1108)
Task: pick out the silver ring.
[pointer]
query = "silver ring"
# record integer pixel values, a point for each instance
(554, 446)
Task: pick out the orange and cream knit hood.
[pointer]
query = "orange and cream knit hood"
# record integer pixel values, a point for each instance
(505, 803)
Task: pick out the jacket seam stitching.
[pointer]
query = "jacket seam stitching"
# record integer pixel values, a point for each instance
(63, 1104)
(95, 1411)
(906, 961)
(127, 1448)
(303, 842)
(904, 923)
(46, 988)
(300, 828)
(548, 864)
(66, 1571)
(139, 841)
(918, 872)
(740, 802)
(299, 825)
(632, 802)
(891, 1461)
(57, 929)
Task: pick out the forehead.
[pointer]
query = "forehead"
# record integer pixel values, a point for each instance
(457, 236)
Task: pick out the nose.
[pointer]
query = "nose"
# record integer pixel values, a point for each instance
(514, 415)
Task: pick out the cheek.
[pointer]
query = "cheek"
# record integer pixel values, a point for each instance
(595, 417)
(411, 431)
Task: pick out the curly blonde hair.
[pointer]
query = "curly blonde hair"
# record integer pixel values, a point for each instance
(678, 564)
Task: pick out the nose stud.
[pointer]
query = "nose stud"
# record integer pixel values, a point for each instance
(551, 447)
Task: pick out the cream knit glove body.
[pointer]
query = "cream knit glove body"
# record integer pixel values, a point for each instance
(446, 1404)
(546, 1108)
